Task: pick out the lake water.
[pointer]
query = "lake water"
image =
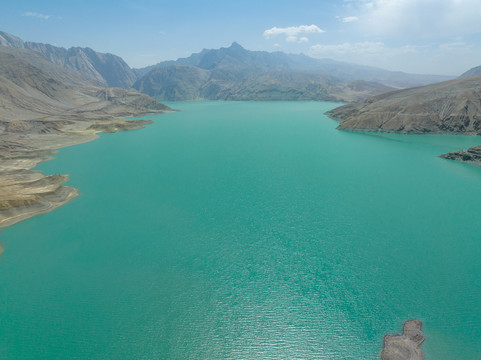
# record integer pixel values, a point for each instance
(248, 230)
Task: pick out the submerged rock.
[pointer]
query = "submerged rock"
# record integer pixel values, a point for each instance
(404, 346)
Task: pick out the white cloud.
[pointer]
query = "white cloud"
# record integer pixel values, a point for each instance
(425, 19)
(452, 58)
(360, 49)
(292, 33)
(349, 19)
(373, 53)
(454, 46)
(444, 35)
(37, 15)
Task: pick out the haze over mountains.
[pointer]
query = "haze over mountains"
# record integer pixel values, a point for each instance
(234, 73)
(237, 56)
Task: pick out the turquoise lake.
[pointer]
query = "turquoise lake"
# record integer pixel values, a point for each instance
(248, 230)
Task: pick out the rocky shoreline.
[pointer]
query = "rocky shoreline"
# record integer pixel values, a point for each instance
(44, 107)
(451, 107)
(471, 156)
(25, 141)
(25, 192)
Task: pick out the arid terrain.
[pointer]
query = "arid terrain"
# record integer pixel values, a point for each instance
(44, 107)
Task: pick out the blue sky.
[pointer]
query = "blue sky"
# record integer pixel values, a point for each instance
(420, 36)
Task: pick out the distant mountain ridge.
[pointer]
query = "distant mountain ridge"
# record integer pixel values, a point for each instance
(236, 55)
(234, 73)
(105, 69)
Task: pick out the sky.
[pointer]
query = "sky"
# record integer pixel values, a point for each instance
(417, 36)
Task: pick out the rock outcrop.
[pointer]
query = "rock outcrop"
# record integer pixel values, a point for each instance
(471, 156)
(404, 346)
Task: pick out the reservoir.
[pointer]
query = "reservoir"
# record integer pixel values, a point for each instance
(248, 230)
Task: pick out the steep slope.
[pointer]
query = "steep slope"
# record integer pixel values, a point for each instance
(174, 82)
(237, 74)
(105, 69)
(451, 107)
(475, 71)
(45, 107)
(28, 91)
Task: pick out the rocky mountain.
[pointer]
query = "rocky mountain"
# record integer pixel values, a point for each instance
(179, 82)
(31, 87)
(105, 69)
(237, 55)
(234, 73)
(471, 72)
(450, 107)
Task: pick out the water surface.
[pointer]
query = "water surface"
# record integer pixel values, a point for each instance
(248, 230)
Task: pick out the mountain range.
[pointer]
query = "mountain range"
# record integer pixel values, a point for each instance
(231, 73)
(43, 85)
(236, 56)
(234, 73)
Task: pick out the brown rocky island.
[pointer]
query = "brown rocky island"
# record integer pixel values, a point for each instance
(404, 346)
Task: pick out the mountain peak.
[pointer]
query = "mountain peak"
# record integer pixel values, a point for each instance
(7, 39)
(236, 45)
